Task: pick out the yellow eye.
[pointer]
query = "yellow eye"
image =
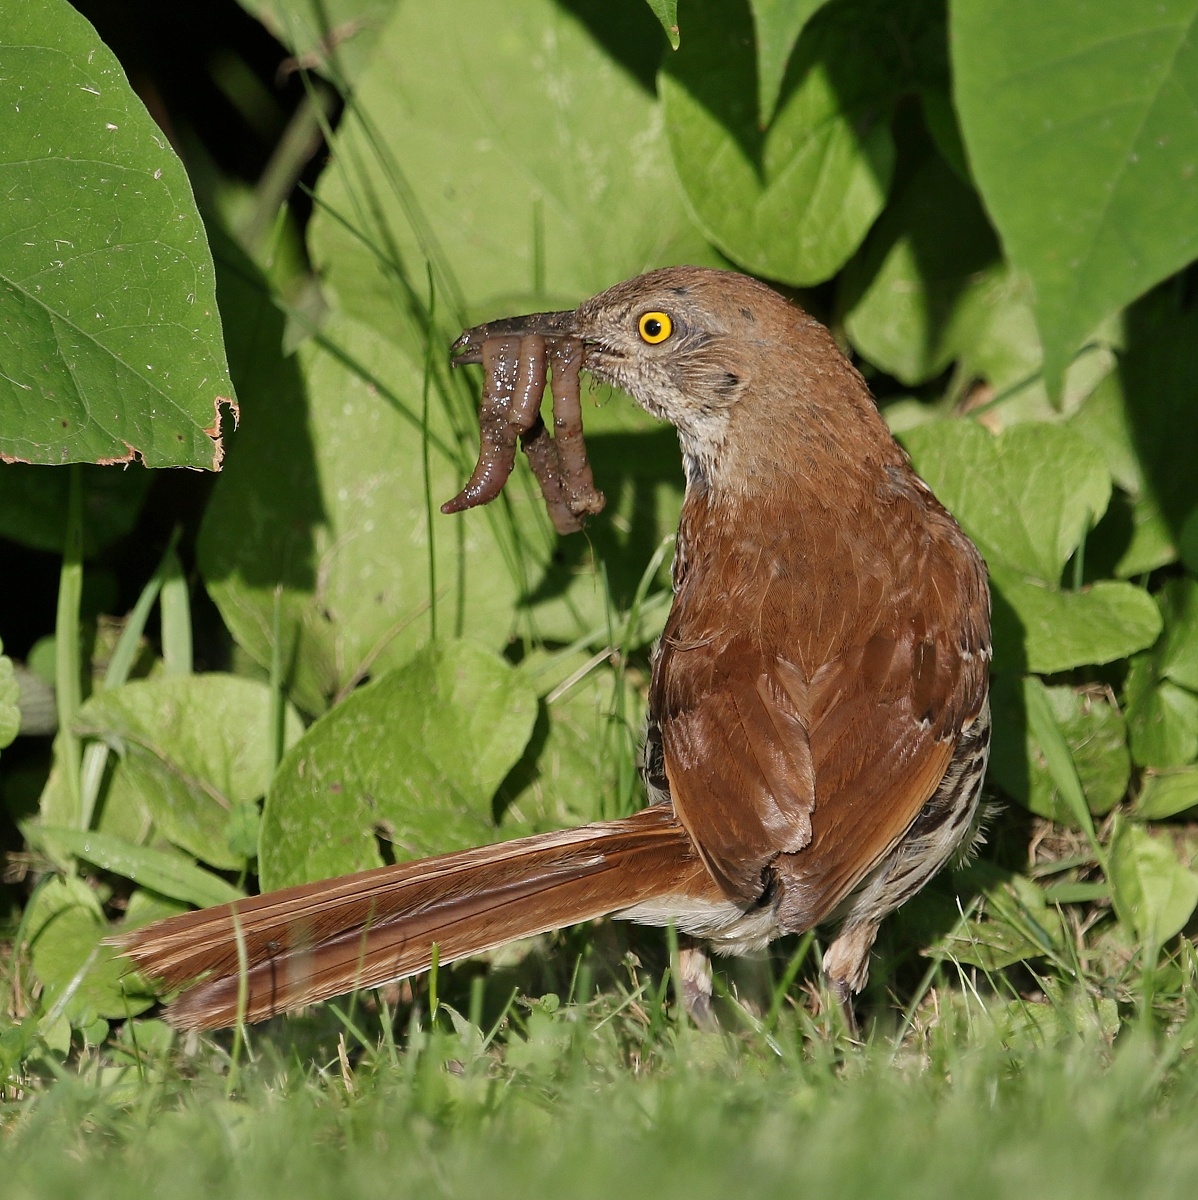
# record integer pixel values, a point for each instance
(655, 327)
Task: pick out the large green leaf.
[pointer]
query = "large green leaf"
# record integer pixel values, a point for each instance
(911, 296)
(325, 495)
(193, 749)
(1081, 122)
(792, 202)
(1027, 498)
(520, 149)
(112, 343)
(411, 760)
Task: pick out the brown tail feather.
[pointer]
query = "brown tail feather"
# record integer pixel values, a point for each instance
(318, 940)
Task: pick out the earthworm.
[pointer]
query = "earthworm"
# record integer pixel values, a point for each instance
(515, 366)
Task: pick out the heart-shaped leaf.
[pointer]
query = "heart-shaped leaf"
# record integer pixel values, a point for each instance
(411, 762)
(1027, 498)
(792, 202)
(1083, 135)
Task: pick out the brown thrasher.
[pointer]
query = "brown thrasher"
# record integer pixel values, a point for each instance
(818, 717)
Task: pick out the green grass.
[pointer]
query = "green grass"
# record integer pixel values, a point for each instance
(978, 1095)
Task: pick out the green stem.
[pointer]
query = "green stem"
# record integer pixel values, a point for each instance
(68, 675)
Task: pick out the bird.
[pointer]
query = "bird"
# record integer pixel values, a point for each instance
(818, 717)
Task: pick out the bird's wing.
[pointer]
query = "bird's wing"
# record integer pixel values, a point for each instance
(811, 742)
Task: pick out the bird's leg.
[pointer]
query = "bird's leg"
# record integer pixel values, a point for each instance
(694, 984)
(846, 968)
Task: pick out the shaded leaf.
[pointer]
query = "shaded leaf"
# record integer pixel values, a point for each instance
(1083, 134)
(1094, 731)
(928, 262)
(1019, 924)
(10, 695)
(1162, 717)
(102, 364)
(64, 924)
(1167, 793)
(33, 505)
(410, 761)
(777, 24)
(793, 202)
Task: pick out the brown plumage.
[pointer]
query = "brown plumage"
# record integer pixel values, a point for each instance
(818, 720)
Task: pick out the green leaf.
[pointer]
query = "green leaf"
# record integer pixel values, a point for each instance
(1154, 893)
(666, 11)
(1042, 629)
(1082, 131)
(1019, 924)
(335, 37)
(1026, 497)
(524, 157)
(161, 871)
(1058, 760)
(1162, 717)
(64, 924)
(909, 296)
(10, 695)
(778, 24)
(791, 203)
(412, 760)
(106, 282)
(1094, 731)
(192, 748)
(1167, 793)
(324, 493)
(580, 763)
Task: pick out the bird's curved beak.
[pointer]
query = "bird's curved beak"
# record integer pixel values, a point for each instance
(469, 347)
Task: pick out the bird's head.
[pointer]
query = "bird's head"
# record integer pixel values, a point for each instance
(709, 351)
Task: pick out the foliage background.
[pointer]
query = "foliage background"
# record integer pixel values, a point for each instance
(298, 667)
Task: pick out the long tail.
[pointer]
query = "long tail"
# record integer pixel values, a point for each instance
(264, 955)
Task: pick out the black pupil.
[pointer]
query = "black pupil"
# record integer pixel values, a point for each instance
(652, 327)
